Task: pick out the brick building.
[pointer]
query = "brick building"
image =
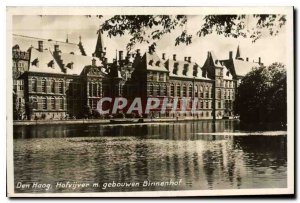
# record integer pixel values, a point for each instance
(57, 80)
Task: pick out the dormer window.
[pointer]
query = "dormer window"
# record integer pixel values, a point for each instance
(70, 65)
(185, 69)
(35, 62)
(175, 70)
(150, 62)
(51, 64)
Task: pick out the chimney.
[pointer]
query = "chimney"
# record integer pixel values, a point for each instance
(93, 62)
(56, 48)
(174, 57)
(163, 56)
(189, 59)
(230, 55)
(120, 55)
(40, 46)
(185, 58)
(259, 60)
(247, 59)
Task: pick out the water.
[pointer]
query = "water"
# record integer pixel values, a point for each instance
(196, 155)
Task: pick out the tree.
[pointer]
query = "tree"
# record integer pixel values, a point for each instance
(261, 96)
(151, 28)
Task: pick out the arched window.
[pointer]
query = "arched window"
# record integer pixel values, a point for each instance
(190, 90)
(52, 85)
(44, 103)
(178, 90)
(172, 90)
(34, 103)
(196, 90)
(184, 90)
(52, 103)
(44, 86)
(34, 85)
(60, 87)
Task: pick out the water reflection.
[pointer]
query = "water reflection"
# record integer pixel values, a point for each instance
(135, 153)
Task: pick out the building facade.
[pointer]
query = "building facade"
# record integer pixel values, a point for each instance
(57, 80)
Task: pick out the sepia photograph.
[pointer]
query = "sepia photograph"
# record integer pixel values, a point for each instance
(150, 101)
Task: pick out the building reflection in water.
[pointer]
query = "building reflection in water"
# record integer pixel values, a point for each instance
(155, 152)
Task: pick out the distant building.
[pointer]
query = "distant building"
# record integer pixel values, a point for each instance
(57, 80)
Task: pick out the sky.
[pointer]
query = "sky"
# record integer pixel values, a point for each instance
(269, 48)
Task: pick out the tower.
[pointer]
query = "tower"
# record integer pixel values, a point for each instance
(238, 54)
(100, 50)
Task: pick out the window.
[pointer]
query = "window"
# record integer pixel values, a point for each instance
(34, 103)
(151, 89)
(178, 90)
(196, 90)
(52, 85)
(165, 90)
(219, 94)
(44, 103)
(172, 90)
(60, 87)
(150, 76)
(190, 91)
(184, 91)
(161, 77)
(158, 90)
(219, 105)
(21, 87)
(90, 89)
(210, 92)
(99, 90)
(206, 105)
(34, 85)
(201, 104)
(52, 103)
(61, 103)
(43, 84)
(95, 90)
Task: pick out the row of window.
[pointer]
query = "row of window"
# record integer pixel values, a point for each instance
(162, 90)
(95, 89)
(44, 103)
(162, 77)
(226, 83)
(53, 84)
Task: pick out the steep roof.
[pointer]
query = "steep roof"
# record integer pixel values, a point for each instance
(43, 62)
(153, 62)
(78, 61)
(25, 42)
(185, 69)
(243, 67)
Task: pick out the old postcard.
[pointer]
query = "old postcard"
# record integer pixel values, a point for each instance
(150, 102)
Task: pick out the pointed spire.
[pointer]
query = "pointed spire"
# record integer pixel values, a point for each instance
(67, 40)
(79, 39)
(99, 46)
(238, 54)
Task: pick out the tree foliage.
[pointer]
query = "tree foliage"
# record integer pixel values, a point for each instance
(151, 28)
(261, 96)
